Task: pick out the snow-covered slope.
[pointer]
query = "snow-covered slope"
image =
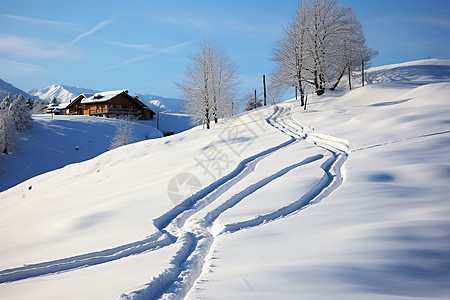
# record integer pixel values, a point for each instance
(346, 200)
(62, 93)
(6, 88)
(53, 143)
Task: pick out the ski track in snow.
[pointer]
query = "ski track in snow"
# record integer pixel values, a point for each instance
(192, 235)
(195, 238)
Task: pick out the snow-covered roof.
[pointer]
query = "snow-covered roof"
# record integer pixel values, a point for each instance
(59, 106)
(102, 96)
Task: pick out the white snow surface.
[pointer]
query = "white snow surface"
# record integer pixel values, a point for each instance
(346, 200)
(54, 142)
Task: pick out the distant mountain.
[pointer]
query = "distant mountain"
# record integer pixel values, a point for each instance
(62, 93)
(162, 104)
(6, 88)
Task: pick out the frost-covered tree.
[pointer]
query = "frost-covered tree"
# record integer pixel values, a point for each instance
(275, 90)
(7, 132)
(6, 102)
(291, 53)
(53, 102)
(39, 107)
(323, 41)
(124, 134)
(252, 103)
(367, 55)
(210, 85)
(29, 103)
(351, 44)
(20, 113)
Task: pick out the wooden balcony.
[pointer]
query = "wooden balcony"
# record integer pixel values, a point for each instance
(113, 111)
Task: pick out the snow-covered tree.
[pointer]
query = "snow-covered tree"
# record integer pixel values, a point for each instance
(275, 90)
(53, 102)
(7, 132)
(210, 85)
(252, 103)
(291, 53)
(6, 102)
(39, 107)
(20, 113)
(29, 103)
(323, 41)
(124, 134)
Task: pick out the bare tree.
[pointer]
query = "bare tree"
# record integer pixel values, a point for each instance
(210, 85)
(124, 133)
(252, 102)
(292, 69)
(323, 41)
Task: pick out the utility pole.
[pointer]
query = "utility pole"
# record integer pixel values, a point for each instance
(264, 84)
(362, 73)
(157, 120)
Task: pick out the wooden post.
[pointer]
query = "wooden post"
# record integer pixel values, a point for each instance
(264, 84)
(255, 100)
(362, 73)
(306, 100)
(295, 87)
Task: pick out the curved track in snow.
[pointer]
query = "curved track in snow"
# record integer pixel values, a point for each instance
(195, 236)
(188, 224)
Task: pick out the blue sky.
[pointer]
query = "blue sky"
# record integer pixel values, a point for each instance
(143, 46)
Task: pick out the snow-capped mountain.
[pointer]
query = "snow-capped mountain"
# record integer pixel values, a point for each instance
(62, 93)
(6, 88)
(65, 93)
(162, 104)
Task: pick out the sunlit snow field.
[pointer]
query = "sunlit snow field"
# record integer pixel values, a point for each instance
(346, 200)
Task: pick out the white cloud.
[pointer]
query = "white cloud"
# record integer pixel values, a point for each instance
(148, 48)
(90, 31)
(431, 21)
(19, 46)
(152, 49)
(38, 20)
(127, 62)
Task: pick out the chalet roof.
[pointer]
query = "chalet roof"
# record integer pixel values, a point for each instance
(58, 106)
(103, 96)
(78, 99)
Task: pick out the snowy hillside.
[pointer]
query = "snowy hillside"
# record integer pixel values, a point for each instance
(346, 200)
(52, 143)
(62, 93)
(6, 88)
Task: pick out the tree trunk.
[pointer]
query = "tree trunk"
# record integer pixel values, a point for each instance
(339, 79)
(300, 87)
(349, 77)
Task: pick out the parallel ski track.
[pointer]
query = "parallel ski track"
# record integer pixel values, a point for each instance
(157, 240)
(192, 236)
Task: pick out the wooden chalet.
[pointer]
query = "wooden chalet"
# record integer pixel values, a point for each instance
(112, 104)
